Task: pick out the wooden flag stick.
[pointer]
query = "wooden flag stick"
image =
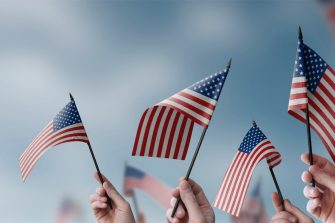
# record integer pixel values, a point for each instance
(95, 163)
(308, 126)
(194, 156)
(277, 187)
(134, 198)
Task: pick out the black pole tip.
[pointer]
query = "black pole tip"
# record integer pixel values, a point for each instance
(229, 63)
(300, 33)
(254, 123)
(71, 97)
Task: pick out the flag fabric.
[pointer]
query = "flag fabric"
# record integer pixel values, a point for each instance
(135, 178)
(254, 148)
(65, 127)
(329, 9)
(313, 85)
(165, 129)
(253, 209)
(67, 211)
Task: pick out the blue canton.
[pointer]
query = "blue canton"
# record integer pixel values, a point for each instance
(253, 138)
(69, 115)
(315, 67)
(133, 172)
(299, 62)
(211, 86)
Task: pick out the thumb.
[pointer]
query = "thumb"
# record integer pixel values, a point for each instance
(322, 177)
(296, 211)
(116, 197)
(190, 202)
(276, 201)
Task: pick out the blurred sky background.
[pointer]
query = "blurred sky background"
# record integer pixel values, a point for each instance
(117, 59)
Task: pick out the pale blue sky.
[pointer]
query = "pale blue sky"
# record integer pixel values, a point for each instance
(117, 59)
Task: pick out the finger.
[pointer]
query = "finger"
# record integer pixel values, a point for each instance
(100, 191)
(320, 161)
(322, 177)
(97, 177)
(314, 206)
(95, 197)
(115, 195)
(190, 201)
(284, 215)
(170, 219)
(311, 192)
(175, 192)
(98, 205)
(199, 193)
(276, 201)
(307, 177)
(180, 213)
(296, 212)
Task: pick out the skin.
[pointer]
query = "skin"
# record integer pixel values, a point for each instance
(291, 214)
(120, 211)
(194, 208)
(321, 199)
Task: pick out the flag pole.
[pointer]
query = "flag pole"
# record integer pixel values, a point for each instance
(277, 187)
(308, 126)
(95, 162)
(195, 155)
(134, 198)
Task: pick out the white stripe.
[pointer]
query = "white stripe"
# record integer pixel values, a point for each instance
(322, 107)
(330, 75)
(325, 97)
(167, 134)
(299, 79)
(299, 101)
(152, 128)
(144, 125)
(185, 136)
(193, 103)
(175, 137)
(24, 177)
(202, 97)
(159, 132)
(327, 86)
(45, 139)
(298, 90)
(188, 111)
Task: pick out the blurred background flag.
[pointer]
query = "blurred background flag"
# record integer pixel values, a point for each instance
(165, 129)
(65, 127)
(254, 148)
(137, 179)
(68, 211)
(253, 209)
(312, 97)
(329, 9)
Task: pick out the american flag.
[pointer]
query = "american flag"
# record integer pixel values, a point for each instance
(254, 148)
(165, 129)
(68, 210)
(313, 85)
(253, 209)
(135, 178)
(65, 127)
(329, 9)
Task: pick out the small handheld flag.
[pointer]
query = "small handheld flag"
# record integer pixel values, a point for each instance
(254, 148)
(312, 97)
(135, 178)
(67, 126)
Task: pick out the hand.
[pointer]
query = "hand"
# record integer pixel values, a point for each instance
(120, 211)
(291, 214)
(194, 208)
(322, 197)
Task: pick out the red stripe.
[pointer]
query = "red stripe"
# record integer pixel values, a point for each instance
(180, 137)
(26, 167)
(297, 107)
(53, 135)
(188, 141)
(197, 100)
(317, 121)
(322, 114)
(298, 96)
(331, 70)
(161, 141)
(191, 107)
(154, 136)
(324, 103)
(298, 84)
(324, 143)
(147, 129)
(326, 92)
(139, 132)
(329, 81)
(171, 136)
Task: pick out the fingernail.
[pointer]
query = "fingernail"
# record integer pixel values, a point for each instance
(292, 219)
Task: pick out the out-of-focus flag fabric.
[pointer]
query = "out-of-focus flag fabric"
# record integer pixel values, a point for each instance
(141, 218)
(68, 210)
(253, 209)
(313, 85)
(135, 178)
(254, 148)
(165, 129)
(329, 9)
(65, 127)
